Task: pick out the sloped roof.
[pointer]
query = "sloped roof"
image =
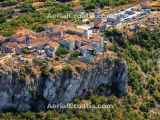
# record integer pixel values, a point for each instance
(53, 44)
(95, 37)
(87, 47)
(11, 44)
(72, 37)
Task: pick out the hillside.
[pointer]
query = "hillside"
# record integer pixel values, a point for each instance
(33, 13)
(48, 59)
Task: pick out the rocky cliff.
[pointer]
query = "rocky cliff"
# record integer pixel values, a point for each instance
(24, 95)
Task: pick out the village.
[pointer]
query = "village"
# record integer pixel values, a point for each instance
(83, 41)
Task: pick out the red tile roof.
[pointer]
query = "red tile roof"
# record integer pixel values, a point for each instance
(95, 38)
(70, 37)
(11, 45)
(53, 44)
(86, 47)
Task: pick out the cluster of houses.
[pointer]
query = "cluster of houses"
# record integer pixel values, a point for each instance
(84, 38)
(26, 41)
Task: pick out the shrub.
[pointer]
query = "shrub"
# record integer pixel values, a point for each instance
(91, 4)
(38, 28)
(2, 20)
(26, 7)
(147, 39)
(45, 71)
(67, 68)
(61, 51)
(157, 95)
(40, 62)
(75, 54)
(146, 106)
(26, 51)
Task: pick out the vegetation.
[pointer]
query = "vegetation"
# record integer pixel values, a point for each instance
(26, 51)
(25, 14)
(67, 68)
(40, 62)
(29, 16)
(75, 54)
(91, 4)
(148, 40)
(143, 86)
(61, 51)
(141, 54)
(26, 8)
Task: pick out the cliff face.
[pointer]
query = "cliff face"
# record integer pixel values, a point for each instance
(38, 91)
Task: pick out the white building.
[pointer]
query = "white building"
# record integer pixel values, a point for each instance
(87, 29)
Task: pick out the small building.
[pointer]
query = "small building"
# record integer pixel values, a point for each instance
(113, 20)
(75, 31)
(87, 29)
(51, 48)
(9, 47)
(41, 52)
(6, 50)
(71, 42)
(96, 41)
(87, 52)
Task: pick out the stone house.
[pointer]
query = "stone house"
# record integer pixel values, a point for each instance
(87, 53)
(96, 41)
(51, 48)
(71, 41)
(87, 50)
